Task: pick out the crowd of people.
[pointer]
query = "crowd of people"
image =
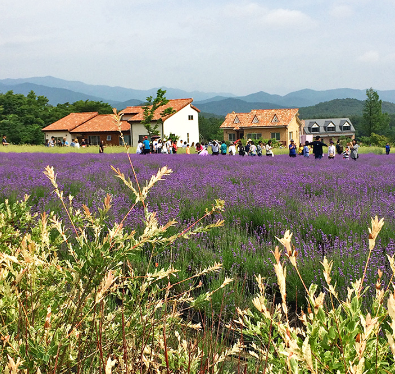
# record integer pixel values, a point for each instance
(259, 149)
(347, 152)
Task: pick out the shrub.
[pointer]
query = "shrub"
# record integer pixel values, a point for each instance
(72, 302)
(334, 336)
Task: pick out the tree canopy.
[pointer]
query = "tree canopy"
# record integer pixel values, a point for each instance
(149, 111)
(22, 117)
(374, 120)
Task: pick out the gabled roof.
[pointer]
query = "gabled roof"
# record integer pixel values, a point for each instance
(70, 122)
(323, 123)
(282, 117)
(176, 104)
(101, 123)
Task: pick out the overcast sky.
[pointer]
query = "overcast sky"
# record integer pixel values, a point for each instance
(232, 46)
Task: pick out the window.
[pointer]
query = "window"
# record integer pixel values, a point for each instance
(141, 137)
(94, 139)
(187, 137)
(315, 128)
(275, 120)
(330, 127)
(275, 135)
(291, 135)
(236, 120)
(254, 136)
(346, 127)
(255, 120)
(190, 117)
(232, 137)
(108, 138)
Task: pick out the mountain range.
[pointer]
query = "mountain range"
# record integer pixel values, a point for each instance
(219, 103)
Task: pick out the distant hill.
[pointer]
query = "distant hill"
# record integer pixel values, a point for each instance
(108, 93)
(340, 108)
(54, 95)
(225, 106)
(312, 103)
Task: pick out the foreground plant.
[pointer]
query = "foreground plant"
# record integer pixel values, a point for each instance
(333, 336)
(71, 300)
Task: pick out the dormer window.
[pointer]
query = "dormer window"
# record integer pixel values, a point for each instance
(236, 120)
(255, 120)
(275, 119)
(346, 127)
(330, 127)
(315, 128)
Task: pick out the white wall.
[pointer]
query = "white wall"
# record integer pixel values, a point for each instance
(58, 134)
(179, 125)
(139, 129)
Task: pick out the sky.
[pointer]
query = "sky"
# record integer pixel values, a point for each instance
(228, 46)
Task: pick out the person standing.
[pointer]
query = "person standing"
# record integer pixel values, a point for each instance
(253, 148)
(155, 145)
(139, 149)
(240, 148)
(187, 150)
(387, 149)
(269, 149)
(259, 149)
(101, 146)
(174, 146)
(317, 147)
(346, 153)
(232, 149)
(146, 145)
(331, 151)
(354, 150)
(214, 148)
(247, 147)
(169, 146)
(306, 150)
(224, 148)
(292, 149)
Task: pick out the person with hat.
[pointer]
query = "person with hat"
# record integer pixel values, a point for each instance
(317, 147)
(146, 144)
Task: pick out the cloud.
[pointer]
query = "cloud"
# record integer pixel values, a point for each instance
(255, 14)
(342, 11)
(369, 57)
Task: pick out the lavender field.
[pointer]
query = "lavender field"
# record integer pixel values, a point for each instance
(326, 204)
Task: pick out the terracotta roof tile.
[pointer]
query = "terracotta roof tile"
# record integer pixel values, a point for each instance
(70, 122)
(101, 123)
(138, 111)
(264, 118)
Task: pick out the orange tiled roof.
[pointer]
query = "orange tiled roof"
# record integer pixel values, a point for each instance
(264, 118)
(101, 123)
(70, 122)
(176, 104)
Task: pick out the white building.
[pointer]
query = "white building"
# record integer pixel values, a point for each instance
(184, 122)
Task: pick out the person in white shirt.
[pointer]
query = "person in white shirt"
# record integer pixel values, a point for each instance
(169, 146)
(232, 149)
(139, 148)
(155, 145)
(269, 148)
(331, 151)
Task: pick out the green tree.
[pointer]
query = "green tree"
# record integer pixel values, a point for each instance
(151, 107)
(374, 120)
(209, 128)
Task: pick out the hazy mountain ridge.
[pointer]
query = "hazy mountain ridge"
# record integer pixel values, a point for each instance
(322, 102)
(109, 93)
